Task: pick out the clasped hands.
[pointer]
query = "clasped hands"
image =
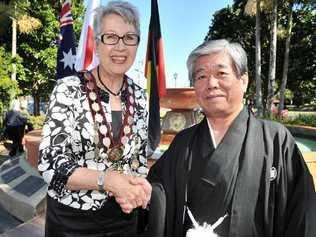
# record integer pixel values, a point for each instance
(129, 191)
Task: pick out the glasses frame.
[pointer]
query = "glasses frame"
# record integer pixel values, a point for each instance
(123, 38)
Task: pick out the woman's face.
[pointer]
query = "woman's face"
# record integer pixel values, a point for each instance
(118, 58)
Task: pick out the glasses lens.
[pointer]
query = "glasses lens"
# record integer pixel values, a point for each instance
(112, 39)
(109, 38)
(131, 39)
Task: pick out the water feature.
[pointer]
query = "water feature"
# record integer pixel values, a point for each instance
(305, 144)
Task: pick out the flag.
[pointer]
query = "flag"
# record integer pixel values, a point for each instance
(67, 50)
(155, 74)
(86, 58)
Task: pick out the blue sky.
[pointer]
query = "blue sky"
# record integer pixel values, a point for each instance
(184, 24)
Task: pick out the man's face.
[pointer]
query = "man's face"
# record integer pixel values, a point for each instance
(218, 89)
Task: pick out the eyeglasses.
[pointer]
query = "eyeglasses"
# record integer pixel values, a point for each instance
(129, 39)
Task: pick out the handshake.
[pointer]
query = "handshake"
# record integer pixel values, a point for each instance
(129, 191)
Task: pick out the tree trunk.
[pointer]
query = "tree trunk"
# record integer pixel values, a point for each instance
(286, 59)
(36, 108)
(258, 61)
(272, 59)
(14, 26)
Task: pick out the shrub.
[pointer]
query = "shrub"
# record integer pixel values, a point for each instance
(37, 121)
(8, 90)
(304, 120)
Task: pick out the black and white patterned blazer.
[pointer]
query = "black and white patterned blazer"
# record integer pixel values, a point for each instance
(68, 141)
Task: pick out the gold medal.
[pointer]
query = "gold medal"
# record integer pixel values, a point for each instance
(95, 107)
(106, 141)
(115, 153)
(130, 120)
(98, 118)
(135, 164)
(93, 95)
(103, 129)
(124, 140)
(127, 130)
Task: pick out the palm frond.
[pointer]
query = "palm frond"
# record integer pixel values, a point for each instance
(28, 24)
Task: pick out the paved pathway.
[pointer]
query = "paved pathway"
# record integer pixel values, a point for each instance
(12, 227)
(7, 221)
(32, 228)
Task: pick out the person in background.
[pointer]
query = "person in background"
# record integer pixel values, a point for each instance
(243, 175)
(14, 127)
(92, 154)
(29, 126)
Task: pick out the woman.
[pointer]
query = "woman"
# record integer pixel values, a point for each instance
(93, 150)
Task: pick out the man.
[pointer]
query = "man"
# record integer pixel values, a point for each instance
(232, 167)
(14, 123)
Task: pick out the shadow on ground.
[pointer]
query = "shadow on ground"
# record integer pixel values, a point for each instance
(7, 221)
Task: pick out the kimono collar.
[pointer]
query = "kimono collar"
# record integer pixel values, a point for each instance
(222, 165)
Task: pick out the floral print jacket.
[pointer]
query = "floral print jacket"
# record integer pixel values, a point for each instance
(68, 141)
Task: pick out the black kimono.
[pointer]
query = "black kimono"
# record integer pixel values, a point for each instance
(256, 175)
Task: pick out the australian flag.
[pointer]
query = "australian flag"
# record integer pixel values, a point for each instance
(66, 54)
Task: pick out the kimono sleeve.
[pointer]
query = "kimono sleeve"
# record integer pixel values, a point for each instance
(298, 188)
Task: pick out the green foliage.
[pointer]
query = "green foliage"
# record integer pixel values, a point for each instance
(37, 50)
(5, 63)
(8, 88)
(232, 23)
(37, 121)
(304, 120)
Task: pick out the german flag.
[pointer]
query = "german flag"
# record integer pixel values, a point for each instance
(155, 74)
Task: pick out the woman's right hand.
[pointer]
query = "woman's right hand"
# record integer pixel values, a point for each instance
(129, 192)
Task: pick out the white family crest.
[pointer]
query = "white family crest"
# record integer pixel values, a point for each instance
(205, 230)
(273, 173)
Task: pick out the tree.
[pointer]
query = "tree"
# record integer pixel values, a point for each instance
(19, 17)
(38, 49)
(272, 58)
(224, 25)
(8, 88)
(286, 57)
(253, 7)
(302, 66)
(231, 24)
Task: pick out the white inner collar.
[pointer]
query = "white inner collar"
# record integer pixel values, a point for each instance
(212, 133)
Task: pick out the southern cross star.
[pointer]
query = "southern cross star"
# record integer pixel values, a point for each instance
(69, 59)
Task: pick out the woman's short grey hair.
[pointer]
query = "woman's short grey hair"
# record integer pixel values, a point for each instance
(234, 50)
(123, 9)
